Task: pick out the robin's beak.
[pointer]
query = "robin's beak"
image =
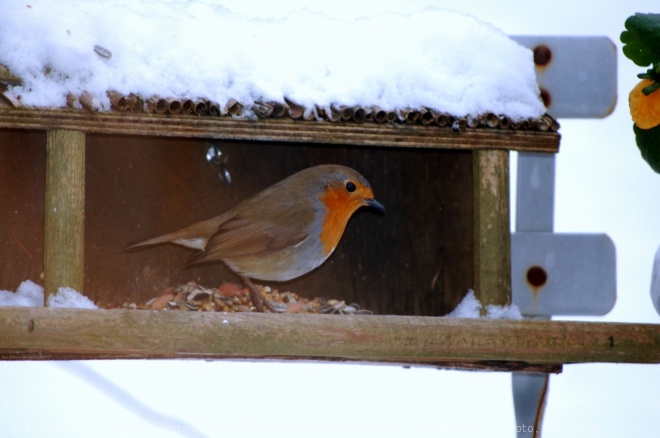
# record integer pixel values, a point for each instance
(372, 203)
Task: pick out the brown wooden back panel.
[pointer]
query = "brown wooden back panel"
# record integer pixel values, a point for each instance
(415, 260)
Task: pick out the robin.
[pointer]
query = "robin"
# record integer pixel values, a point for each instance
(282, 232)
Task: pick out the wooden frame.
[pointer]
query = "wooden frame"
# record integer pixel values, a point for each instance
(296, 131)
(543, 346)
(527, 345)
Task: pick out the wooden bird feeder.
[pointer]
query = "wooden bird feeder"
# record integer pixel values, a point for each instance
(109, 178)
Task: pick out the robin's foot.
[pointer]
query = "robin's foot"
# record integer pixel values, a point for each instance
(258, 298)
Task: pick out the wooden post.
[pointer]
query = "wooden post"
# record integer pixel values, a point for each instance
(65, 211)
(492, 233)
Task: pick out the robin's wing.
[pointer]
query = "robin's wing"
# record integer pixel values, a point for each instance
(242, 236)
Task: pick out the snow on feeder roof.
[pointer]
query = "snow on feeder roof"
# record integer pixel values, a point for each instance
(432, 67)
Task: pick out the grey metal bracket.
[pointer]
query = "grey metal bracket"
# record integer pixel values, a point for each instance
(560, 274)
(563, 274)
(577, 74)
(534, 214)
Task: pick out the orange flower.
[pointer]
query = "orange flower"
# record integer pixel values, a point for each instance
(645, 110)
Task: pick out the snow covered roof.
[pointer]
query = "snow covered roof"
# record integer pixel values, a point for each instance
(432, 67)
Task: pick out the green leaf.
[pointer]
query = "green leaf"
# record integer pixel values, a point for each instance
(642, 39)
(648, 142)
(650, 88)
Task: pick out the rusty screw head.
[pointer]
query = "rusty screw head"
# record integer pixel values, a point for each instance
(542, 55)
(546, 97)
(536, 276)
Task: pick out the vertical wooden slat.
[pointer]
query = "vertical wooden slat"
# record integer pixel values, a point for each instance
(64, 211)
(492, 233)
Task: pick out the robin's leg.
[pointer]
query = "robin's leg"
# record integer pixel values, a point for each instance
(257, 297)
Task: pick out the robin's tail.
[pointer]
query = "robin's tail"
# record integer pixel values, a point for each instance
(189, 242)
(195, 236)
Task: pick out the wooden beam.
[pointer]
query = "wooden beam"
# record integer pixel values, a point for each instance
(287, 130)
(43, 333)
(492, 232)
(64, 232)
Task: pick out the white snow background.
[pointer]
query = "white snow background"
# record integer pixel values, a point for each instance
(602, 186)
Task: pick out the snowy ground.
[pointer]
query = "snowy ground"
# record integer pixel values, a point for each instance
(602, 186)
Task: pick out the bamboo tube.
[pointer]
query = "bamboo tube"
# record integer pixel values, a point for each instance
(347, 113)
(262, 109)
(368, 115)
(491, 120)
(544, 123)
(134, 102)
(379, 115)
(201, 108)
(311, 114)
(118, 100)
(359, 115)
(167, 105)
(7, 77)
(430, 117)
(162, 105)
(295, 110)
(64, 230)
(278, 110)
(516, 124)
(422, 112)
(410, 115)
(174, 106)
(529, 124)
(472, 121)
(444, 119)
(12, 102)
(553, 124)
(214, 109)
(415, 116)
(505, 122)
(71, 100)
(87, 101)
(334, 113)
(321, 113)
(187, 106)
(150, 104)
(391, 116)
(233, 108)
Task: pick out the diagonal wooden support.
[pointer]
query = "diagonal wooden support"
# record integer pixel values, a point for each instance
(65, 211)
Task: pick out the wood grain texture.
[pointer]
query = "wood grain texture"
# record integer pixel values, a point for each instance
(42, 333)
(492, 232)
(64, 234)
(366, 134)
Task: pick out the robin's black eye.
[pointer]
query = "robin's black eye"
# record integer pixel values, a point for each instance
(350, 186)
